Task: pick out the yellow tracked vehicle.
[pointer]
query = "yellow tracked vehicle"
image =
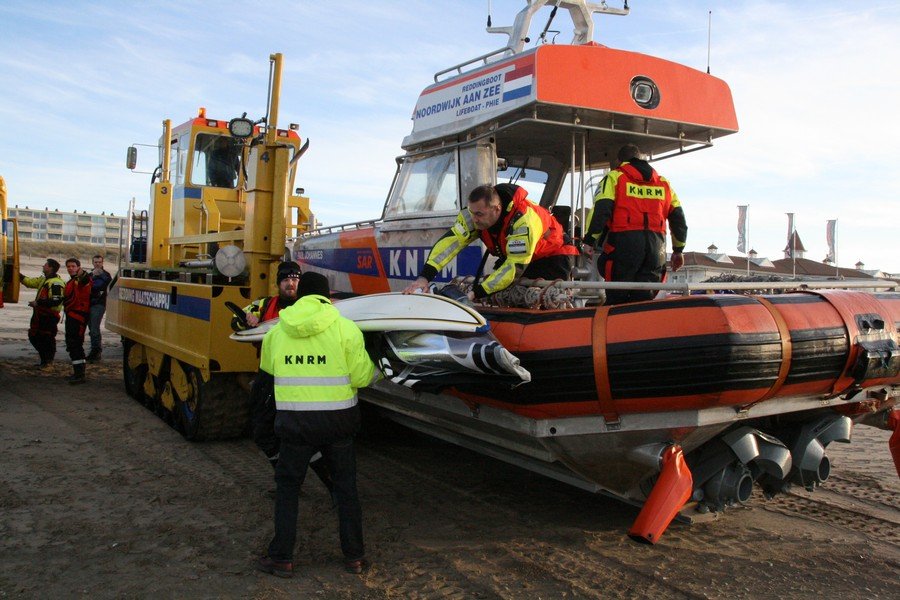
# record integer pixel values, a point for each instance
(9, 252)
(221, 208)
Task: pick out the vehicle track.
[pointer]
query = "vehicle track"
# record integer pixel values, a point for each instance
(518, 563)
(836, 510)
(596, 575)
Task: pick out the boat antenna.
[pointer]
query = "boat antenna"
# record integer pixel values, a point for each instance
(708, 40)
(489, 13)
(269, 93)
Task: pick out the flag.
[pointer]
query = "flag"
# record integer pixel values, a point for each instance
(742, 229)
(830, 227)
(789, 251)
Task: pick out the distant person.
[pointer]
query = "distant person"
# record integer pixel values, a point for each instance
(100, 280)
(318, 360)
(222, 163)
(527, 239)
(77, 304)
(262, 404)
(629, 221)
(46, 306)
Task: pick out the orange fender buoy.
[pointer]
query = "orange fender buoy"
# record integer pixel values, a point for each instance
(671, 491)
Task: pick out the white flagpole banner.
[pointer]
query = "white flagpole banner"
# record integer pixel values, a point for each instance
(790, 250)
(830, 227)
(742, 229)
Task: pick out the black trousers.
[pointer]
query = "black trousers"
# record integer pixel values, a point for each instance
(75, 339)
(632, 256)
(42, 334)
(551, 267)
(340, 457)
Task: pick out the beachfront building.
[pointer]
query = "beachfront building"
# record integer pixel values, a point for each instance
(75, 227)
(717, 266)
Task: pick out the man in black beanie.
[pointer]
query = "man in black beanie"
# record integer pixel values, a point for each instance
(266, 309)
(318, 360)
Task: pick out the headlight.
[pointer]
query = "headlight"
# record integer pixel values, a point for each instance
(230, 261)
(240, 128)
(644, 92)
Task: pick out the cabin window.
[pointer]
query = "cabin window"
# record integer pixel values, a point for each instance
(430, 184)
(476, 167)
(177, 159)
(533, 179)
(425, 184)
(215, 162)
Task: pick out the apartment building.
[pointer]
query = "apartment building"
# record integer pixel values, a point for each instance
(76, 227)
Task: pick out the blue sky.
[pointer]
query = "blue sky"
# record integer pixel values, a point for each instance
(814, 86)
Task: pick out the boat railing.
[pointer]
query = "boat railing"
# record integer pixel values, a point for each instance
(335, 229)
(484, 58)
(733, 286)
(580, 12)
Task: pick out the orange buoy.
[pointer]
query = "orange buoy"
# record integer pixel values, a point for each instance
(893, 422)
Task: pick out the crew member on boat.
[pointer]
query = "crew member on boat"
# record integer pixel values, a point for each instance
(629, 221)
(527, 239)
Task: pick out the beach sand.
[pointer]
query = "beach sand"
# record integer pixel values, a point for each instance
(101, 499)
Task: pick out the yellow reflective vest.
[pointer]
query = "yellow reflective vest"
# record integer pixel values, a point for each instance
(317, 357)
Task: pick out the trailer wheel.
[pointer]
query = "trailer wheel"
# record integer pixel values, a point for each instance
(133, 375)
(214, 410)
(189, 407)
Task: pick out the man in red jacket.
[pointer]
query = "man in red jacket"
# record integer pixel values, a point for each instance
(77, 304)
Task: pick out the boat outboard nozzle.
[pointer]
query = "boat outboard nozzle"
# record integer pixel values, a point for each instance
(731, 485)
(811, 465)
(725, 469)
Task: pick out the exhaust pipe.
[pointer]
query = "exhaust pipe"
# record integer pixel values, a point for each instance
(811, 466)
(731, 485)
(725, 469)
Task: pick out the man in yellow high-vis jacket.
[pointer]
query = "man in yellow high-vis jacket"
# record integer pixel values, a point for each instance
(47, 305)
(526, 238)
(318, 360)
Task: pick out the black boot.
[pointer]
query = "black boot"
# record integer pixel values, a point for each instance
(77, 375)
(94, 355)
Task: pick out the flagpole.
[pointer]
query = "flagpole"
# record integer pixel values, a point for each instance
(837, 272)
(748, 246)
(794, 248)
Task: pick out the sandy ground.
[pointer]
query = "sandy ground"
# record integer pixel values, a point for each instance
(101, 499)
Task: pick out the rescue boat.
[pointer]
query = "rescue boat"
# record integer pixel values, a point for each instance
(676, 403)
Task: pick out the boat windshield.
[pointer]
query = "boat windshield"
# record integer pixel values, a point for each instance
(533, 180)
(432, 183)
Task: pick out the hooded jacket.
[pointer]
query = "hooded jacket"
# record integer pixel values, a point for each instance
(318, 360)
